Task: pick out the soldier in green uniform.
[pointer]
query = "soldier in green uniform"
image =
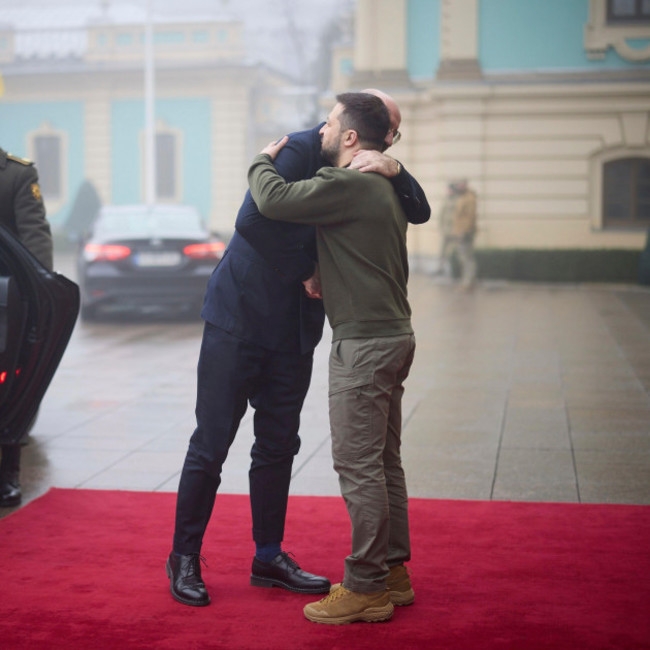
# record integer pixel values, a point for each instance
(22, 212)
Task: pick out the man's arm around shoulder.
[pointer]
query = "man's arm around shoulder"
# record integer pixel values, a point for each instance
(290, 250)
(411, 195)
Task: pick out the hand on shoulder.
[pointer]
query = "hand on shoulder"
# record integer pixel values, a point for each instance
(273, 148)
(367, 160)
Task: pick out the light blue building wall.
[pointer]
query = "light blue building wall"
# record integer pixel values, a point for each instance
(423, 38)
(513, 36)
(17, 121)
(191, 118)
(539, 35)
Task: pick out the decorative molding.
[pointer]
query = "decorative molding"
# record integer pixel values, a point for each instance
(599, 36)
(635, 128)
(190, 41)
(459, 70)
(387, 79)
(634, 75)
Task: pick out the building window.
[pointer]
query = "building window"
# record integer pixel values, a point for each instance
(628, 11)
(166, 166)
(47, 156)
(169, 179)
(48, 148)
(124, 38)
(626, 193)
(201, 37)
(169, 37)
(623, 25)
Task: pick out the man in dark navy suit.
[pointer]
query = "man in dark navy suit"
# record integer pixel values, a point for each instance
(261, 328)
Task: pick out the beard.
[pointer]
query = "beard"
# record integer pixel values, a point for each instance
(330, 153)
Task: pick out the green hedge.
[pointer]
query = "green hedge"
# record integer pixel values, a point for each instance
(567, 265)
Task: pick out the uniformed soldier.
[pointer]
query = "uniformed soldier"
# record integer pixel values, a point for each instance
(458, 228)
(22, 212)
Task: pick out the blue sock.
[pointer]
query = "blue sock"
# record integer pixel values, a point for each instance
(267, 552)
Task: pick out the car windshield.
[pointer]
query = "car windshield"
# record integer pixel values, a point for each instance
(143, 222)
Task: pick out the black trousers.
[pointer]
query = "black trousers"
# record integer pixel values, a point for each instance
(232, 373)
(10, 462)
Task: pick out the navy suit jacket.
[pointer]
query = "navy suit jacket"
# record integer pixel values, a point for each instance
(262, 299)
(256, 292)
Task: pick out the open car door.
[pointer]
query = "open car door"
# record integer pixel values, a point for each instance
(38, 310)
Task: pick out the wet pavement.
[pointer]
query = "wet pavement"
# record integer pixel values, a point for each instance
(518, 392)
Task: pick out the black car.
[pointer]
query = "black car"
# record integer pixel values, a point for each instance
(38, 311)
(148, 258)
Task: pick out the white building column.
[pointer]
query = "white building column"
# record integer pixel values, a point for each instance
(459, 40)
(380, 43)
(230, 153)
(97, 144)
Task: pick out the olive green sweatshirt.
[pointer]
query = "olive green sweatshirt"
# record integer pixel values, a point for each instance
(361, 238)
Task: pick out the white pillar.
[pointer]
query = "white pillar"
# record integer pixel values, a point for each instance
(459, 40)
(380, 42)
(150, 117)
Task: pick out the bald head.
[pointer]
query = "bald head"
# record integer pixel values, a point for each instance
(393, 113)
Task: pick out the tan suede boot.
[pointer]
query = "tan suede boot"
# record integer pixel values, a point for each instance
(398, 585)
(343, 606)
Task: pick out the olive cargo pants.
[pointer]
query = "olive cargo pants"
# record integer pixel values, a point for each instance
(365, 404)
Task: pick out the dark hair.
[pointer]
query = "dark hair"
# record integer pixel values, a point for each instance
(367, 115)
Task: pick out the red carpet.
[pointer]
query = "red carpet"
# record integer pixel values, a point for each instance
(85, 569)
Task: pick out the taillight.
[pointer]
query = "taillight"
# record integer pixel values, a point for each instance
(105, 252)
(208, 251)
(4, 375)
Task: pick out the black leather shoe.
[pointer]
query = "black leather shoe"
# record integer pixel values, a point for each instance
(284, 572)
(185, 582)
(10, 493)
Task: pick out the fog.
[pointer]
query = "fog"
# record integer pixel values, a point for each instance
(530, 114)
(72, 91)
(285, 34)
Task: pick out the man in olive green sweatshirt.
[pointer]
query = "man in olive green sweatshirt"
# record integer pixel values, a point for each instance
(361, 237)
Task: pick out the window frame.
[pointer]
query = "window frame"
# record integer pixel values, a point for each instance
(597, 190)
(174, 166)
(634, 222)
(600, 35)
(52, 203)
(637, 19)
(177, 135)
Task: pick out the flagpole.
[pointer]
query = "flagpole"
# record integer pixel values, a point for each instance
(149, 99)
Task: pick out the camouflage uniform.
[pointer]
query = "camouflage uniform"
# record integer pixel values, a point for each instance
(458, 227)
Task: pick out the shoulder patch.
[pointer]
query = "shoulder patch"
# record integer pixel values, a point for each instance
(36, 192)
(22, 161)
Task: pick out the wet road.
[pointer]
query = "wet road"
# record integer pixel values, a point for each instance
(518, 392)
(120, 410)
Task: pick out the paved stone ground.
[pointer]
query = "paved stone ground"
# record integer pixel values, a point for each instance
(518, 392)
(530, 393)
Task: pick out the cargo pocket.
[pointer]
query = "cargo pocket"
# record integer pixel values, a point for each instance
(350, 399)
